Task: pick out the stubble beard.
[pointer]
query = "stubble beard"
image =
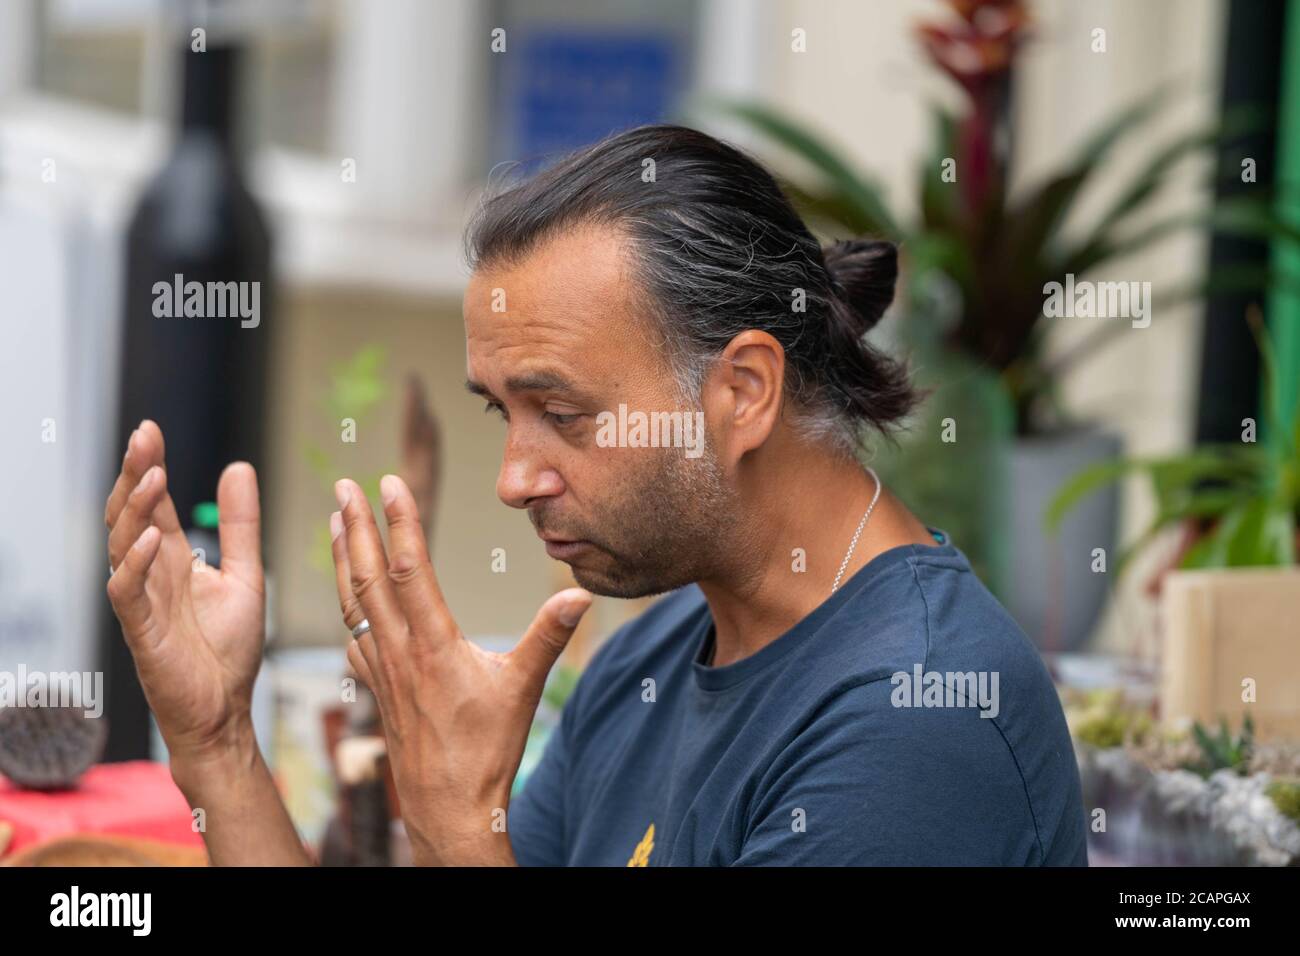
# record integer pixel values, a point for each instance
(663, 530)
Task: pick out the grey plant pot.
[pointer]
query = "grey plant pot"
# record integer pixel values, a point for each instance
(1052, 591)
(1175, 818)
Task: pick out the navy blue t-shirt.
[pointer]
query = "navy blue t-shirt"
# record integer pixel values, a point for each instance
(905, 721)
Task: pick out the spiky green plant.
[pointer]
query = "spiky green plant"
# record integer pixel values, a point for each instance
(1247, 494)
(1222, 751)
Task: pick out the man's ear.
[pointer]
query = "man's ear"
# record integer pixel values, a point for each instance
(745, 390)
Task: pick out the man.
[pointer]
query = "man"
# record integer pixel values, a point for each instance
(685, 387)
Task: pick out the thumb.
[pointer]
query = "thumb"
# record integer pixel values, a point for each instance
(549, 633)
(239, 523)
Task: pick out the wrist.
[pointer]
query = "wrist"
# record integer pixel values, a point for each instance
(481, 839)
(493, 849)
(227, 756)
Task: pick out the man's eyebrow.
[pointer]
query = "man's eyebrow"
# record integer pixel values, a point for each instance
(528, 382)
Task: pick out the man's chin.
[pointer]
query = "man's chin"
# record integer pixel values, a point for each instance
(618, 585)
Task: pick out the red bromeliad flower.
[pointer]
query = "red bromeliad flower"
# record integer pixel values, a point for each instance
(977, 51)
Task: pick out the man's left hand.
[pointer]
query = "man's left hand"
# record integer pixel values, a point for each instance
(456, 717)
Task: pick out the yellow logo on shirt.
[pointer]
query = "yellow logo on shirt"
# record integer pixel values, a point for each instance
(641, 855)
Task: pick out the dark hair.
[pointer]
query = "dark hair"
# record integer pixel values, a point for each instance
(720, 249)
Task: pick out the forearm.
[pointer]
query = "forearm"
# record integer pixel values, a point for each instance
(490, 849)
(445, 830)
(245, 823)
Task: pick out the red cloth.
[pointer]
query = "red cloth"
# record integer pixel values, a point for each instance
(137, 798)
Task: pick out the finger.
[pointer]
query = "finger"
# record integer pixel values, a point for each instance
(409, 567)
(363, 646)
(126, 588)
(549, 634)
(239, 523)
(361, 666)
(135, 516)
(348, 603)
(144, 449)
(164, 516)
(368, 566)
(137, 459)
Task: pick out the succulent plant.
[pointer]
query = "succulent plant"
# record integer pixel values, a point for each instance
(1285, 795)
(1222, 751)
(1104, 717)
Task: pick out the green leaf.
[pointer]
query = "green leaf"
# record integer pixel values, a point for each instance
(1033, 221)
(829, 209)
(560, 686)
(319, 462)
(1137, 113)
(863, 195)
(321, 553)
(1037, 218)
(1246, 217)
(1286, 446)
(1146, 184)
(939, 206)
(1169, 476)
(1277, 529)
(1250, 545)
(358, 384)
(1084, 483)
(1211, 551)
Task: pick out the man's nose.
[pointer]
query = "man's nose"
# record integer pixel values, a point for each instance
(525, 476)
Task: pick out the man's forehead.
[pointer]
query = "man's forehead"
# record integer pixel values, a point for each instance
(563, 307)
(577, 270)
(531, 349)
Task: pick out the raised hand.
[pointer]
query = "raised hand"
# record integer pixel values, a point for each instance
(456, 717)
(196, 632)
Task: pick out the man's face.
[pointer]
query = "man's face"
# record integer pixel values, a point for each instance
(575, 340)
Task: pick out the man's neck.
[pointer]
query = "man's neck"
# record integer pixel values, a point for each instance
(799, 527)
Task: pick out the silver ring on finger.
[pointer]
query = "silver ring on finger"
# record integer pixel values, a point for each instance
(362, 628)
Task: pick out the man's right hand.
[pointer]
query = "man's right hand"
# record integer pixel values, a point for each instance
(196, 632)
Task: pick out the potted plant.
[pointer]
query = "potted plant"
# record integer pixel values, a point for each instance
(1230, 596)
(1156, 796)
(978, 261)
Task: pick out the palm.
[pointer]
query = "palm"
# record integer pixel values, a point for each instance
(195, 631)
(208, 645)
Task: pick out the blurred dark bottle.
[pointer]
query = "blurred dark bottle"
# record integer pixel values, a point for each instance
(201, 377)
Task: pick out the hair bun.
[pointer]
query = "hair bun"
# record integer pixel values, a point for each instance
(864, 270)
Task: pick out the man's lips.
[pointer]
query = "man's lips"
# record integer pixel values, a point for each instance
(562, 549)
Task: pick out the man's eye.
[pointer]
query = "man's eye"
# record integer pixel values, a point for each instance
(491, 407)
(561, 419)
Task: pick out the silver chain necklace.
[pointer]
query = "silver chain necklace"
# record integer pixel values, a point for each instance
(861, 524)
(713, 647)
